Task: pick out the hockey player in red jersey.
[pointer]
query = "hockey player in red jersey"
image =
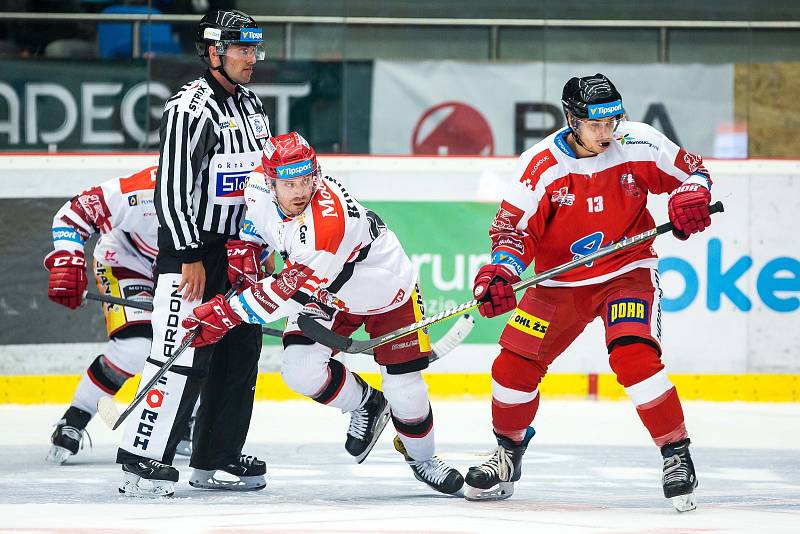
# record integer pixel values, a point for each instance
(345, 268)
(121, 210)
(577, 190)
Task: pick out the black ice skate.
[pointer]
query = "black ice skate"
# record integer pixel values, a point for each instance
(679, 479)
(245, 474)
(67, 438)
(494, 479)
(148, 478)
(433, 472)
(366, 422)
(185, 444)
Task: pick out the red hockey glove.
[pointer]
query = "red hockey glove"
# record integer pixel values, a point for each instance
(68, 281)
(492, 287)
(215, 318)
(244, 263)
(688, 210)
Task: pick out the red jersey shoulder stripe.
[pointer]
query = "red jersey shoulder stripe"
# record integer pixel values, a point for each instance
(328, 219)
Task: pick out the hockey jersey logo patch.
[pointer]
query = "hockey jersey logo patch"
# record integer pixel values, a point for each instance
(627, 310)
(563, 197)
(629, 185)
(506, 218)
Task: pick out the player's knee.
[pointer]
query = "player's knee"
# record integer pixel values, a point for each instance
(303, 370)
(634, 361)
(128, 353)
(407, 394)
(107, 375)
(513, 371)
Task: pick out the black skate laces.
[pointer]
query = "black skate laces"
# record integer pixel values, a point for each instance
(499, 464)
(433, 469)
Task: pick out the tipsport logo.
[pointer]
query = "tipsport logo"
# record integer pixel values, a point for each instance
(609, 109)
(294, 169)
(251, 35)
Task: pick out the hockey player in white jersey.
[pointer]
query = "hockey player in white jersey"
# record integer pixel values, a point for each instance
(345, 268)
(121, 210)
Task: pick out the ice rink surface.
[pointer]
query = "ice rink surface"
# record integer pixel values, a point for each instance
(590, 468)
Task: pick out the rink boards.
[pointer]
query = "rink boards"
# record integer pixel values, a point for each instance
(730, 294)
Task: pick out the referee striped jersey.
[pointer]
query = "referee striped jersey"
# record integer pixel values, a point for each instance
(210, 141)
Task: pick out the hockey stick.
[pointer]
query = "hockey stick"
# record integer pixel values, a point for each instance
(161, 372)
(146, 306)
(320, 334)
(107, 408)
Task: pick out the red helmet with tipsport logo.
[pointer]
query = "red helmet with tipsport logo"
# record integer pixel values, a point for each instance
(289, 156)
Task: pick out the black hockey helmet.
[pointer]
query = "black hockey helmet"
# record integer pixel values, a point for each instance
(223, 27)
(591, 97)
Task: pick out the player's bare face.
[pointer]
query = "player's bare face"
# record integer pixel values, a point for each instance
(597, 135)
(293, 195)
(239, 62)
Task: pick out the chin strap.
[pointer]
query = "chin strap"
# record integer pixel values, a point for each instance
(221, 70)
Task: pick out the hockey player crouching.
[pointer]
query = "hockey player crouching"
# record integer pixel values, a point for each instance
(347, 269)
(581, 188)
(121, 211)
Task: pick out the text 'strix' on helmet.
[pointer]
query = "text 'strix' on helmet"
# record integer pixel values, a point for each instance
(591, 97)
(222, 28)
(289, 156)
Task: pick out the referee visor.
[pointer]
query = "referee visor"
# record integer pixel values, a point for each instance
(250, 41)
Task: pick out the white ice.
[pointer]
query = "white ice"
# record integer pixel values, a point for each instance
(590, 468)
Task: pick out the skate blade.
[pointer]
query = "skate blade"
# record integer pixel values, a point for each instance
(136, 486)
(684, 503)
(58, 455)
(184, 448)
(221, 480)
(503, 490)
(380, 424)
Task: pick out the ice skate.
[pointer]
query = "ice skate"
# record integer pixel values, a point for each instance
(366, 422)
(433, 472)
(245, 474)
(148, 478)
(679, 478)
(67, 438)
(494, 479)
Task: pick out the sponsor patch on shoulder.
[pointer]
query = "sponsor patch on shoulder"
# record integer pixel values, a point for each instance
(627, 310)
(538, 164)
(194, 98)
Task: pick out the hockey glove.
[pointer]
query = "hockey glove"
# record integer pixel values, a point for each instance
(244, 263)
(688, 210)
(492, 287)
(67, 285)
(215, 318)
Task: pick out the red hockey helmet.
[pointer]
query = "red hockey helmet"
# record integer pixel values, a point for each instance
(289, 156)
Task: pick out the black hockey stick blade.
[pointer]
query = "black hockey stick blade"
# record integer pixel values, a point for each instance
(320, 334)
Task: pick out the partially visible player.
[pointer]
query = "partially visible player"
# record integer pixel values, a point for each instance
(579, 189)
(347, 269)
(122, 211)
